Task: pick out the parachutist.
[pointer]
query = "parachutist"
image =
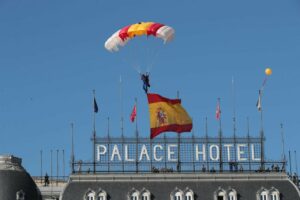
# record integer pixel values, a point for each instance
(146, 83)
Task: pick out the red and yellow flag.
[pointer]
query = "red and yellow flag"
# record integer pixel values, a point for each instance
(133, 114)
(167, 115)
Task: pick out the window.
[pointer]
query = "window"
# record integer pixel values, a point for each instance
(221, 195)
(264, 195)
(102, 196)
(189, 195)
(274, 194)
(178, 196)
(20, 195)
(274, 197)
(146, 195)
(232, 195)
(135, 196)
(90, 196)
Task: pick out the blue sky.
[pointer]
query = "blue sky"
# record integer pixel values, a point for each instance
(52, 57)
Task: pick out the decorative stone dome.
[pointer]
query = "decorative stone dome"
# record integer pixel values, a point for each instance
(15, 182)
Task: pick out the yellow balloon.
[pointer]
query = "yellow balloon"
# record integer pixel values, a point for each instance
(268, 71)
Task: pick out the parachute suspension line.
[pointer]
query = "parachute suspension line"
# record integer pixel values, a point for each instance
(152, 54)
(148, 55)
(154, 58)
(133, 50)
(130, 59)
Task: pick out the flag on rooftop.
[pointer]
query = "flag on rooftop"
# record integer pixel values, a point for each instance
(167, 115)
(133, 114)
(258, 103)
(218, 111)
(95, 105)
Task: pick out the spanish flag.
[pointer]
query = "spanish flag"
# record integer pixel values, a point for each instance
(167, 115)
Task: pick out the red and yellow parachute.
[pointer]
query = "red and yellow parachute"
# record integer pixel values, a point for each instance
(122, 36)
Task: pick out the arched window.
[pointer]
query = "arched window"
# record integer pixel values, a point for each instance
(188, 194)
(232, 195)
(274, 194)
(220, 194)
(90, 195)
(102, 196)
(178, 195)
(20, 195)
(145, 195)
(134, 196)
(262, 194)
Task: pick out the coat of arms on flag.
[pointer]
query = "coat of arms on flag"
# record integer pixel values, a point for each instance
(167, 115)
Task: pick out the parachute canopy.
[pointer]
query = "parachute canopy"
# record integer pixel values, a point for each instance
(122, 36)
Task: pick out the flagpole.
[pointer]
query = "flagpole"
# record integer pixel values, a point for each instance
(72, 148)
(234, 118)
(136, 119)
(283, 146)
(206, 141)
(193, 153)
(178, 143)
(94, 136)
(57, 167)
(41, 154)
(64, 172)
(233, 107)
(108, 138)
(248, 142)
(137, 138)
(220, 137)
(295, 152)
(290, 162)
(121, 107)
(261, 132)
(122, 118)
(51, 175)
